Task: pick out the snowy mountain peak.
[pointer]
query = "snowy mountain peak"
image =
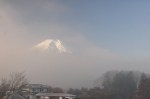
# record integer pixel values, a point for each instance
(52, 45)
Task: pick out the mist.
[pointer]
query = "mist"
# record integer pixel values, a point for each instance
(22, 29)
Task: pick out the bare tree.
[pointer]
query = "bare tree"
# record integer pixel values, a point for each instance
(12, 84)
(4, 87)
(16, 80)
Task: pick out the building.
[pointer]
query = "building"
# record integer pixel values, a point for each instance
(34, 88)
(30, 90)
(38, 91)
(55, 96)
(15, 96)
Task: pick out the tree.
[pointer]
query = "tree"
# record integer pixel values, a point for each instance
(55, 89)
(3, 87)
(143, 76)
(107, 83)
(96, 93)
(15, 81)
(143, 90)
(131, 85)
(124, 85)
(120, 86)
(70, 91)
(58, 90)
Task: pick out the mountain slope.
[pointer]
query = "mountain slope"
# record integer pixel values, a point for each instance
(51, 45)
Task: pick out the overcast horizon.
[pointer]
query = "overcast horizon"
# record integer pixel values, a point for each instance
(101, 36)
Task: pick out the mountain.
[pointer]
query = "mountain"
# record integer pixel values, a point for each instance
(51, 45)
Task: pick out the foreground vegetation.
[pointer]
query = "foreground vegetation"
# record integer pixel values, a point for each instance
(114, 85)
(118, 85)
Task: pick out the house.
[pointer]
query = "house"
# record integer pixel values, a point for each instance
(38, 91)
(15, 96)
(30, 90)
(55, 96)
(34, 88)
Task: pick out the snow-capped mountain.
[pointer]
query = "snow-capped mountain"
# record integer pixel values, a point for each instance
(51, 45)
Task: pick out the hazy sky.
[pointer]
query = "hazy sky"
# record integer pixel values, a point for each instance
(102, 34)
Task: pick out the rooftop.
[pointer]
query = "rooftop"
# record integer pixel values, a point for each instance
(36, 85)
(56, 94)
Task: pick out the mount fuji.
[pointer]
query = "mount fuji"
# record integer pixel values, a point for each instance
(51, 45)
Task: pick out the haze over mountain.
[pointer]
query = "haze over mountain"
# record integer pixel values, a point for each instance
(101, 36)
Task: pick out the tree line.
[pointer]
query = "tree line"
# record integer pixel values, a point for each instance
(117, 85)
(112, 85)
